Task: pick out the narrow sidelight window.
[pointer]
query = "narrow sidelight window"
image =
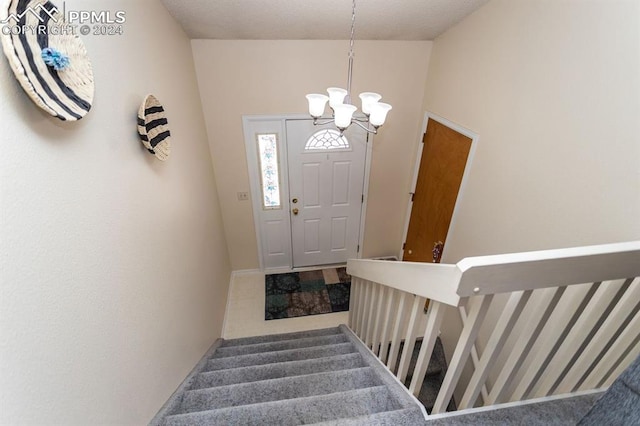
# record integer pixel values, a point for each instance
(269, 171)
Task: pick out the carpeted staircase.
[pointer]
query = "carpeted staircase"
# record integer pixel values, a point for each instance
(315, 377)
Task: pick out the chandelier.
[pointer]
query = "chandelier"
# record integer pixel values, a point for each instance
(343, 112)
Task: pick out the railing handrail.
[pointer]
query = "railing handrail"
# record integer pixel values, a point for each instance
(503, 273)
(411, 277)
(548, 268)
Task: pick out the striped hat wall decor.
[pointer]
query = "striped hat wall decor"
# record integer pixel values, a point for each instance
(51, 65)
(153, 128)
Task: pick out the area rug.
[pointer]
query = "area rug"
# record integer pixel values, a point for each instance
(298, 294)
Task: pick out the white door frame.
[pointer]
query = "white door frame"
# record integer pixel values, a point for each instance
(276, 124)
(465, 176)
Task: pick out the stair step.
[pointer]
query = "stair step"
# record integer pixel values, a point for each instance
(315, 409)
(279, 356)
(278, 337)
(278, 389)
(274, 371)
(405, 417)
(229, 351)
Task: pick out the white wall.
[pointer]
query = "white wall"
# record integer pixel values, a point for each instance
(113, 265)
(553, 89)
(272, 77)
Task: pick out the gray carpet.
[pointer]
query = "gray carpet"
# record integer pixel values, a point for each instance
(316, 377)
(558, 412)
(328, 377)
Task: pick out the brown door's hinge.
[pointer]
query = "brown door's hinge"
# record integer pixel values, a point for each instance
(404, 246)
(413, 195)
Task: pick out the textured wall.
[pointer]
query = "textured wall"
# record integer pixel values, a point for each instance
(272, 77)
(113, 266)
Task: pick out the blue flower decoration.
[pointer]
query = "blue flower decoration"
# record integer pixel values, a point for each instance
(55, 59)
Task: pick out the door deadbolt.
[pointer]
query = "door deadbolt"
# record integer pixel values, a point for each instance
(294, 201)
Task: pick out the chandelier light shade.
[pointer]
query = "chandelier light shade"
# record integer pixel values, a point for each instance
(317, 104)
(336, 96)
(343, 115)
(368, 99)
(343, 112)
(379, 112)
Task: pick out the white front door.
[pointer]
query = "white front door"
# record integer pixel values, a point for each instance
(326, 179)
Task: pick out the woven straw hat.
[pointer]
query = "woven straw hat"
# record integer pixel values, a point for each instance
(153, 128)
(64, 87)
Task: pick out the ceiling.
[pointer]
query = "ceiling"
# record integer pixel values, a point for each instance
(319, 19)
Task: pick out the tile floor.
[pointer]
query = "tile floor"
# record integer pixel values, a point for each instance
(245, 311)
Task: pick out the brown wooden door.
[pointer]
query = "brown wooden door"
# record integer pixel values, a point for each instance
(444, 157)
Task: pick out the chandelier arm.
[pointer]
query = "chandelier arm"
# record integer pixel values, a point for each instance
(366, 128)
(317, 122)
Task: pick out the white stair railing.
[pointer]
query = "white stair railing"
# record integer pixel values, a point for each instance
(567, 320)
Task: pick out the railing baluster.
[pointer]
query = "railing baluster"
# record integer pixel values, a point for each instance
(553, 336)
(435, 315)
(501, 332)
(633, 351)
(395, 336)
(617, 351)
(617, 319)
(461, 353)
(360, 309)
(372, 314)
(410, 337)
(475, 359)
(387, 324)
(354, 303)
(365, 310)
(359, 306)
(573, 345)
(528, 336)
(375, 341)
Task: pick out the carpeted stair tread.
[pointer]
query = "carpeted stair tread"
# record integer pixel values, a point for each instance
(307, 410)
(279, 356)
(278, 389)
(278, 337)
(323, 376)
(403, 417)
(274, 371)
(231, 351)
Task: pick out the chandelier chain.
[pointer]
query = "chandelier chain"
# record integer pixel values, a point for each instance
(351, 54)
(353, 28)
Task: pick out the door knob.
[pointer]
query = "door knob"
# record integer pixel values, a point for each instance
(295, 212)
(437, 251)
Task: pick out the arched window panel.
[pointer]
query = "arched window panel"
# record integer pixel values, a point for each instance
(326, 139)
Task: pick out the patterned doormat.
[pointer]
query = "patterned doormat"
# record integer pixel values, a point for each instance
(297, 294)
